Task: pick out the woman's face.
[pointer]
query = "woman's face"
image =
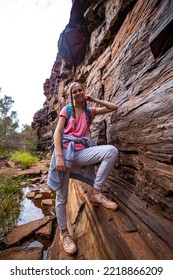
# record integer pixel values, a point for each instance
(78, 93)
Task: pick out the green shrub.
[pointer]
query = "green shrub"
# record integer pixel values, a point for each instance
(3, 151)
(10, 196)
(24, 159)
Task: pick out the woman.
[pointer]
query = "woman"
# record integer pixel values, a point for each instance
(75, 129)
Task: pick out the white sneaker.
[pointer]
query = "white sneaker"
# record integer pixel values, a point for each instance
(101, 200)
(68, 243)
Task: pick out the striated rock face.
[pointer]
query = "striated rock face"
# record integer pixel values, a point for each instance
(123, 51)
(99, 234)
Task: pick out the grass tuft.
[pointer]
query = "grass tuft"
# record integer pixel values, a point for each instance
(24, 159)
(10, 197)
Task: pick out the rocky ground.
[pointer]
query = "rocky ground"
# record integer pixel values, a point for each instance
(98, 233)
(30, 240)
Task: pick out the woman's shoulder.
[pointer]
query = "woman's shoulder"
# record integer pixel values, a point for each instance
(91, 111)
(91, 108)
(63, 112)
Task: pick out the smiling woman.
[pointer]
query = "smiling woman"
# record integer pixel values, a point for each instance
(75, 151)
(29, 32)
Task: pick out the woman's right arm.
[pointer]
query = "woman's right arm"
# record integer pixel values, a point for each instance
(60, 162)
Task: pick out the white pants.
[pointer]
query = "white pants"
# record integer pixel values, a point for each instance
(106, 155)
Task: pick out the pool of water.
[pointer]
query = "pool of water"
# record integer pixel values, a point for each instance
(31, 210)
(28, 212)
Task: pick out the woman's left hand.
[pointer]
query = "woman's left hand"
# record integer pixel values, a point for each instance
(89, 98)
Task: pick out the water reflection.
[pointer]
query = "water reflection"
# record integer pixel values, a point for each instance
(35, 243)
(33, 209)
(29, 212)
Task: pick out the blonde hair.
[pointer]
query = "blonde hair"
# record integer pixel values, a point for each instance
(71, 86)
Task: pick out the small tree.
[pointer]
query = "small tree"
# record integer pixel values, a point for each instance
(8, 120)
(8, 123)
(10, 139)
(28, 138)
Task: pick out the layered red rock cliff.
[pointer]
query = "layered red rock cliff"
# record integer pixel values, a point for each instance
(123, 51)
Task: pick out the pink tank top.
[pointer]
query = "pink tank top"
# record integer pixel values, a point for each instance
(81, 129)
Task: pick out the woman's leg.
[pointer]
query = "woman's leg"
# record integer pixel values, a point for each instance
(106, 155)
(61, 200)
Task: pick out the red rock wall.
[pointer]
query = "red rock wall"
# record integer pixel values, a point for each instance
(117, 48)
